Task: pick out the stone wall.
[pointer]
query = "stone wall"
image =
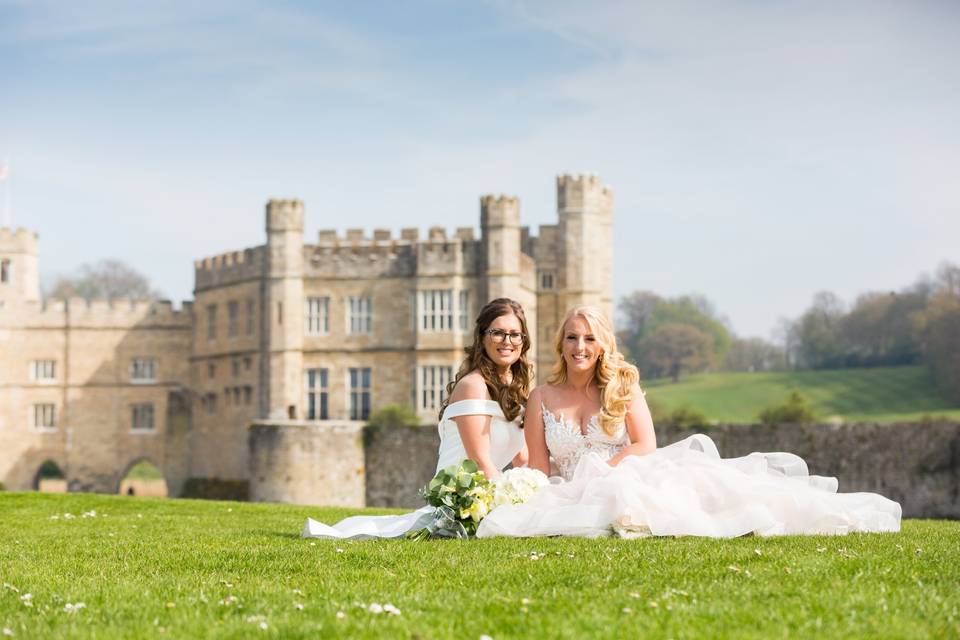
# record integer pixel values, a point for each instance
(307, 463)
(917, 464)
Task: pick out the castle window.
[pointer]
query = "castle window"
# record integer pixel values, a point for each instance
(463, 310)
(44, 416)
(361, 314)
(43, 370)
(211, 321)
(432, 387)
(235, 367)
(436, 310)
(546, 280)
(209, 402)
(318, 394)
(247, 363)
(142, 417)
(233, 319)
(359, 393)
(211, 370)
(143, 370)
(5, 270)
(318, 316)
(247, 394)
(251, 316)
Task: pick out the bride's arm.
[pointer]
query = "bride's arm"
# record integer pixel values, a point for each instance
(643, 439)
(475, 429)
(539, 457)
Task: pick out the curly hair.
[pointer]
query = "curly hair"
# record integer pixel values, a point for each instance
(513, 396)
(613, 375)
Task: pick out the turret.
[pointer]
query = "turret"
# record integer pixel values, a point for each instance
(19, 275)
(500, 232)
(282, 342)
(585, 209)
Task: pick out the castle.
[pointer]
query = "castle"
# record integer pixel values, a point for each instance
(327, 331)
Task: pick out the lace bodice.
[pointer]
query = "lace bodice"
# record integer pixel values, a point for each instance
(567, 443)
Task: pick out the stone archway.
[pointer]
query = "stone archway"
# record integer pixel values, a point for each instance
(143, 478)
(50, 478)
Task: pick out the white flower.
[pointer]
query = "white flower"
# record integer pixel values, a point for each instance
(7, 631)
(27, 599)
(68, 516)
(375, 608)
(392, 610)
(298, 606)
(73, 608)
(341, 615)
(516, 486)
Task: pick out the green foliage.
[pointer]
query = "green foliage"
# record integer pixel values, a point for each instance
(216, 489)
(795, 409)
(687, 417)
(3, 487)
(940, 327)
(143, 470)
(193, 569)
(463, 495)
(49, 469)
(669, 336)
(393, 415)
(879, 394)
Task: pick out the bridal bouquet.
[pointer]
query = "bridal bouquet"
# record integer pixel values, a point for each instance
(462, 497)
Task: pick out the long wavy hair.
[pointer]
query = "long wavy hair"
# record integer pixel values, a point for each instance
(613, 375)
(511, 397)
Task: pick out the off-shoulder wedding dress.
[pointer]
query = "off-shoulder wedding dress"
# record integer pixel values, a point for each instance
(685, 488)
(506, 440)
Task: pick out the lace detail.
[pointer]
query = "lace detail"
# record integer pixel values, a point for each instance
(567, 443)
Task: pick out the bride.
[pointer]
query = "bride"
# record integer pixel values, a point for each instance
(480, 419)
(592, 419)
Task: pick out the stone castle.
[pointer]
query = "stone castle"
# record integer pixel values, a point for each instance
(328, 331)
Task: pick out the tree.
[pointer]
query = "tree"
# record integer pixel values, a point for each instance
(673, 349)
(754, 354)
(940, 331)
(817, 333)
(107, 279)
(645, 312)
(880, 329)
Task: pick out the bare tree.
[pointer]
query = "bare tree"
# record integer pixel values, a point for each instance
(107, 279)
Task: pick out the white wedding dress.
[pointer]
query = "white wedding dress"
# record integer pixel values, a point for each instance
(685, 488)
(506, 440)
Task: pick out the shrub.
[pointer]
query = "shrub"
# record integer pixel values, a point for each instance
(393, 415)
(686, 417)
(794, 410)
(216, 489)
(3, 487)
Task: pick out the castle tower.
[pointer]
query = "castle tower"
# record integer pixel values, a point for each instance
(585, 211)
(281, 361)
(19, 275)
(500, 234)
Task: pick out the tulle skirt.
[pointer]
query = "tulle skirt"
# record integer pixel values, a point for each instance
(687, 489)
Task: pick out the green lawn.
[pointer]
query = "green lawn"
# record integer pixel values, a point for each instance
(152, 568)
(884, 394)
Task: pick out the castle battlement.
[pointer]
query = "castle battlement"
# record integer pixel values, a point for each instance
(360, 239)
(499, 211)
(19, 240)
(103, 314)
(228, 268)
(583, 192)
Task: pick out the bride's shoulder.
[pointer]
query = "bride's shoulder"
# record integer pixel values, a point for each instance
(540, 394)
(470, 387)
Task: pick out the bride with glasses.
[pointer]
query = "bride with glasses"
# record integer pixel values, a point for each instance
(479, 420)
(592, 420)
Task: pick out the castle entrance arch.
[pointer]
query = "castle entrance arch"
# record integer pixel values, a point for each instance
(143, 478)
(49, 478)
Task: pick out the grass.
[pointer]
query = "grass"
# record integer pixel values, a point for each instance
(153, 568)
(883, 394)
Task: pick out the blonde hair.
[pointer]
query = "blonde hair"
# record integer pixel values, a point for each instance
(614, 376)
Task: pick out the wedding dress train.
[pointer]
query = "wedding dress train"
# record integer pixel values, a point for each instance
(506, 440)
(684, 488)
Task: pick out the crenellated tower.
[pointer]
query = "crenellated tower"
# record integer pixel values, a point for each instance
(19, 276)
(500, 233)
(281, 361)
(585, 211)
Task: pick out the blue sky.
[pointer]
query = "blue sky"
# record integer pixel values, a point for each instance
(758, 151)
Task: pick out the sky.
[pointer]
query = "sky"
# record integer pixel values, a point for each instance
(759, 152)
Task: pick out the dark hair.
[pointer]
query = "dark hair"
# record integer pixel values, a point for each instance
(511, 397)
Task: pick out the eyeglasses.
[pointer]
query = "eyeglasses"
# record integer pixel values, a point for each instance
(499, 336)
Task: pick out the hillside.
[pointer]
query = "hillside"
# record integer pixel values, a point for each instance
(883, 394)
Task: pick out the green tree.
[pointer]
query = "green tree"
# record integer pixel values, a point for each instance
(674, 348)
(795, 409)
(940, 331)
(107, 279)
